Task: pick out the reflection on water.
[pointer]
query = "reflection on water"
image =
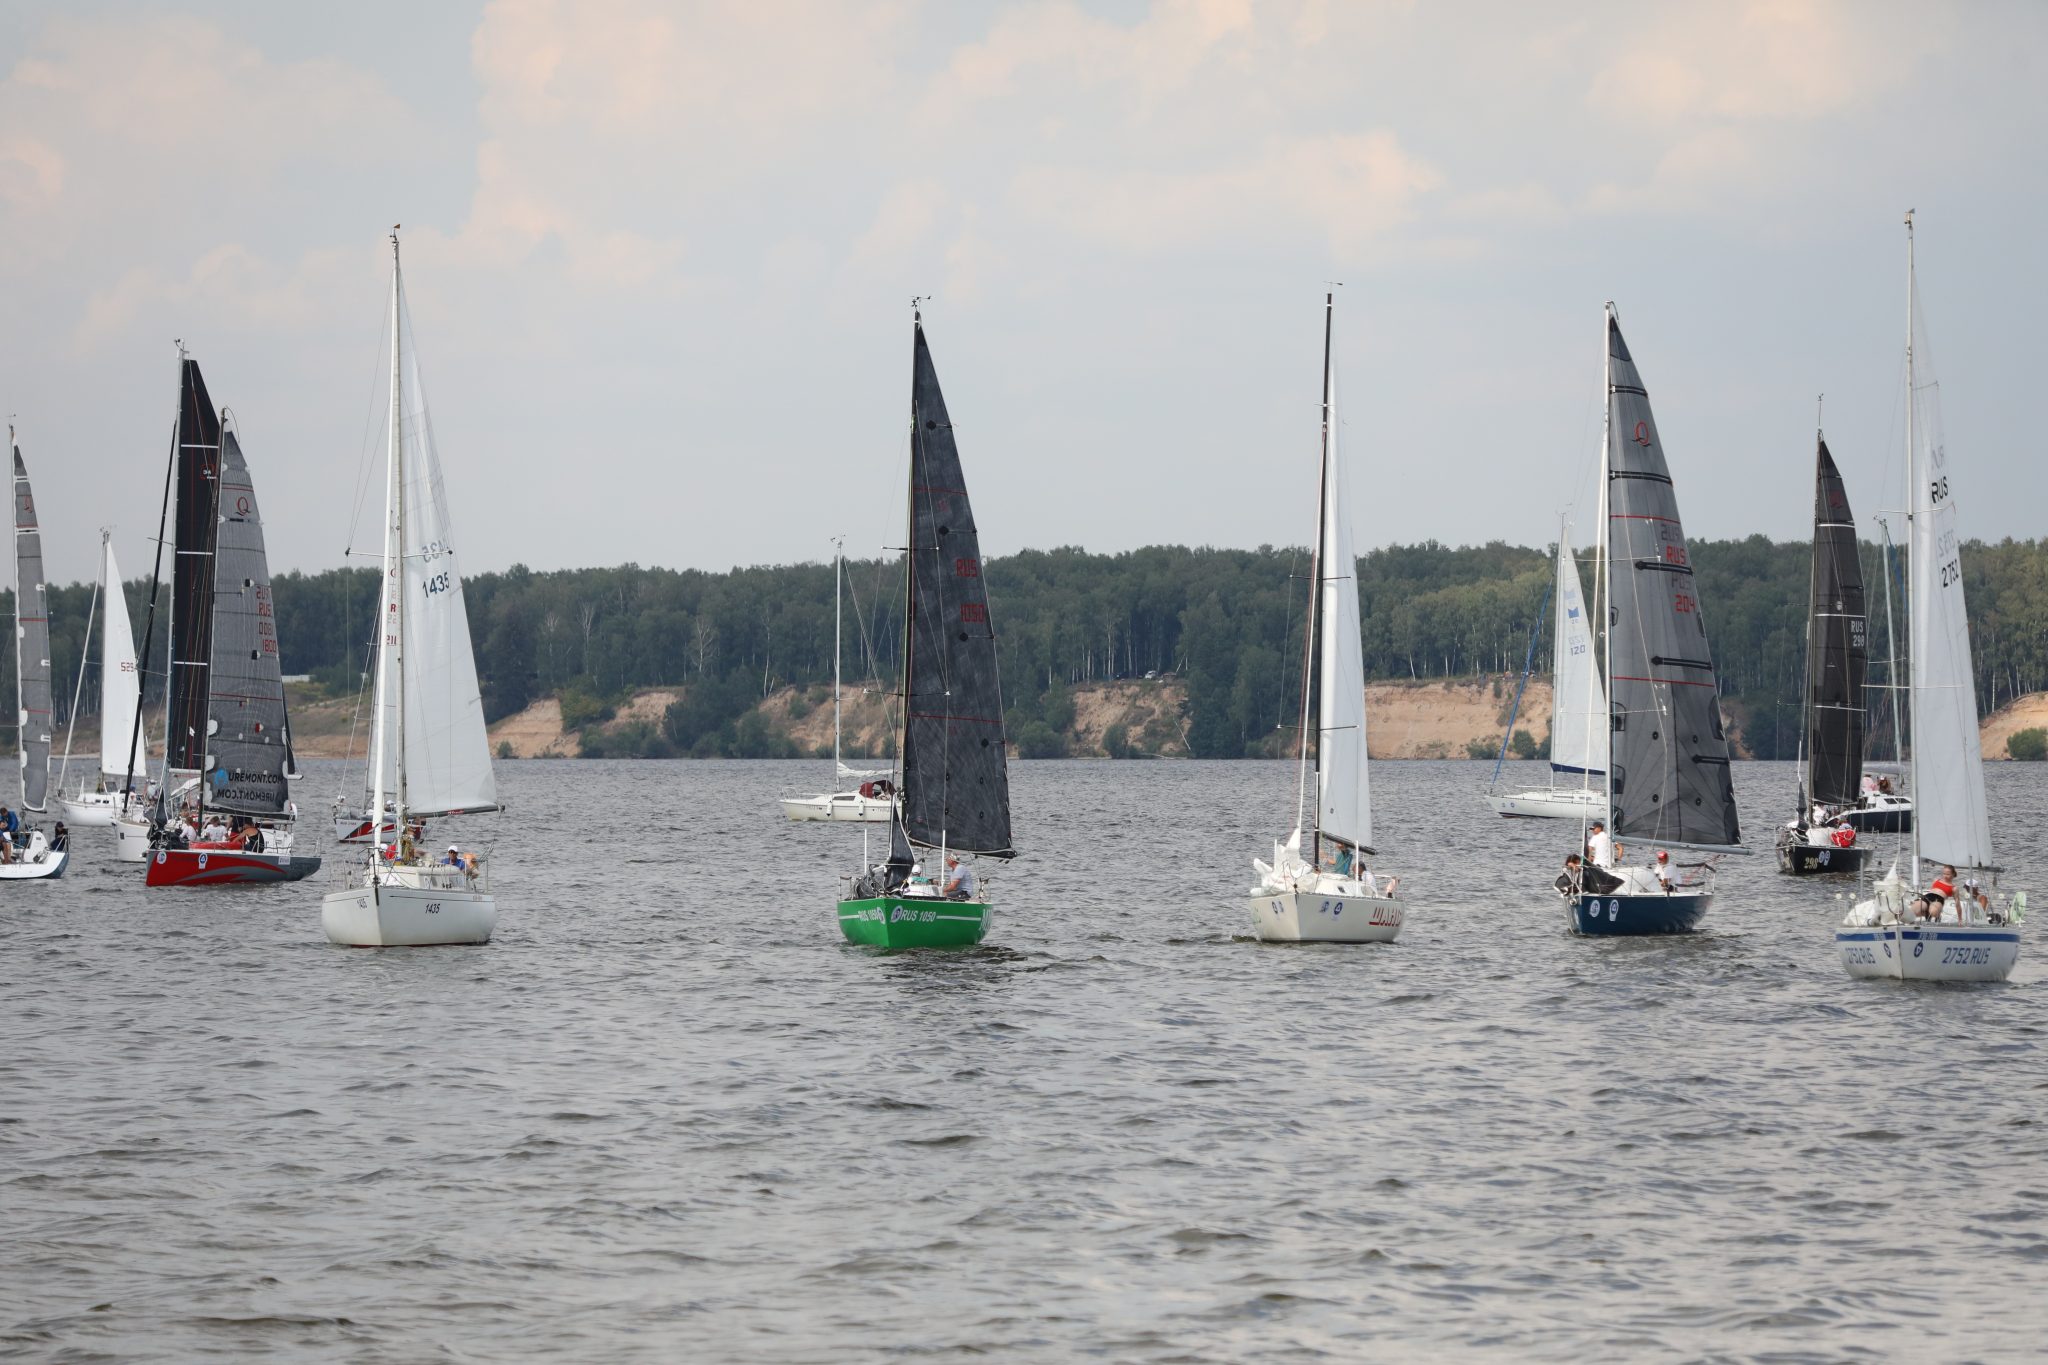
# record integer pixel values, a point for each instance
(670, 1113)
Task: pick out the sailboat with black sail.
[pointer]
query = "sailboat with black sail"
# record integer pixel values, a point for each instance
(429, 755)
(225, 727)
(953, 777)
(1816, 839)
(1329, 895)
(28, 854)
(1950, 927)
(1664, 749)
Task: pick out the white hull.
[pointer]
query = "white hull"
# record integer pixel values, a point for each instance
(36, 861)
(840, 806)
(1349, 916)
(94, 810)
(131, 839)
(1930, 952)
(1551, 803)
(408, 908)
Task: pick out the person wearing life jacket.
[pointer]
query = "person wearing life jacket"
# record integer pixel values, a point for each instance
(1843, 835)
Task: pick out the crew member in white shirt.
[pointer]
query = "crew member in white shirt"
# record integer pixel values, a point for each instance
(959, 880)
(1600, 846)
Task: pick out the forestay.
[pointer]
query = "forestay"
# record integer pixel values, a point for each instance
(246, 747)
(192, 571)
(956, 789)
(1669, 778)
(1345, 810)
(31, 644)
(1578, 712)
(120, 683)
(1837, 647)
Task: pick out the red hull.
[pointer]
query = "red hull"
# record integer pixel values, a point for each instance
(222, 867)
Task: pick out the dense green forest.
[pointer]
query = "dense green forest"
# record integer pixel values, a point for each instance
(1227, 622)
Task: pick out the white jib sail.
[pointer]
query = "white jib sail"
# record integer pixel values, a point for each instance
(1948, 802)
(447, 752)
(120, 684)
(1575, 678)
(1346, 809)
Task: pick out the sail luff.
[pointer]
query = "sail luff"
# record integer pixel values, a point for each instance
(195, 526)
(31, 643)
(120, 682)
(1578, 697)
(1837, 651)
(1668, 770)
(1310, 758)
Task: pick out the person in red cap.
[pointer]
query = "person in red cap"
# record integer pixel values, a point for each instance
(1662, 867)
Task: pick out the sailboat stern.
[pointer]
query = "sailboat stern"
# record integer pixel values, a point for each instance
(1348, 916)
(1632, 916)
(370, 914)
(913, 922)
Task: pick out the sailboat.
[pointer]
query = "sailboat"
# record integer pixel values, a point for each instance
(31, 855)
(225, 726)
(874, 799)
(1966, 939)
(952, 771)
(1663, 749)
(1329, 896)
(1816, 839)
(1576, 693)
(120, 699)
(429, 755)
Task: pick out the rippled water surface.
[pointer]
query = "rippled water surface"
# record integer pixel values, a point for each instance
(668, 1112)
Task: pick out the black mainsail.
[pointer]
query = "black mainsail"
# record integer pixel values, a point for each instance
(249, 746)
(31, 642)
(1837, 645)
(196, 485)
(955, 787)
(1668, 779)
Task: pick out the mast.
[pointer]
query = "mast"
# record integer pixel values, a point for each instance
(389, 649)
(21, 706)
(1315, 597)
(838, 592)
(1805, 769)
(909, 572)
(1603, 588)
(84, 652)
(1913, 608)
(156, 574)
(171, 607)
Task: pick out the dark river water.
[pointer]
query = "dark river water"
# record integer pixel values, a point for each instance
(668, 1114)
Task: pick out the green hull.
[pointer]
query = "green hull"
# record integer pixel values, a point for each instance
(913, 922)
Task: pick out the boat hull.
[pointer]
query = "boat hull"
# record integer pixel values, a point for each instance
(839, 808)
(1930, 952)
(1894, 815)
(131, 840)
(90, 810)
(394, 916)
(1551, 803)
(1629, 916)
(192, 867)
(38, 865)
(1798, 857)
(1318, 917)
(913, 922)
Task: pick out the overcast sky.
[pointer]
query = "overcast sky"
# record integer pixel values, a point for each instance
(660, 257)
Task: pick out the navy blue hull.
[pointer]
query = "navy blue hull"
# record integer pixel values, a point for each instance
(1639, 915)
(1888, 820)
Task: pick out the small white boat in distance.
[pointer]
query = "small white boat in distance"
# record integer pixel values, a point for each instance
(1576, 694)
(120, 700)
(428, 751)
(1330, 896)
(873, 797)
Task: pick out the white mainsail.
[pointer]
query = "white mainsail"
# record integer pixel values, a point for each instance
(1577, 693)
(1346, 803)
(1950, 821)
(120, 684)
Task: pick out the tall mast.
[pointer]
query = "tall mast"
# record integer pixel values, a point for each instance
(1315, 597)
(1913, 611)
(84, 652)
(390, 648)
(1805, 765)
(1602, 586)
(838, 592)
(171, 606)
(909, 573)
(156, 574)
(21, 732)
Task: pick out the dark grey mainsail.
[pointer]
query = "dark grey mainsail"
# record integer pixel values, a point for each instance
(31, 643)
(248, 750)
(956, 787)
(1837, 645)
(192, 571)
(1669, 779)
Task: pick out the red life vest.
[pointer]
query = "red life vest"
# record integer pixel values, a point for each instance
(1844, 836)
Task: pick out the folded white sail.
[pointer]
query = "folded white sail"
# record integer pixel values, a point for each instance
(120, 684)
(1578, 711)
(1346, 809)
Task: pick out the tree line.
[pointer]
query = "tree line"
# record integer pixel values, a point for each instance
(1227, 623)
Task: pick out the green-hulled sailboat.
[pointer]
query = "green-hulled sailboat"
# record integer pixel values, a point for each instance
(951, 769)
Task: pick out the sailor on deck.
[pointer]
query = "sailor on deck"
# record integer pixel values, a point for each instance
(959, 880)
(1600, 845)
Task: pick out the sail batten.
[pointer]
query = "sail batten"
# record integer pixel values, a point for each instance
(955, 785)
(1668, 778)
(196, 481)
(1837, 647)
(31, 644)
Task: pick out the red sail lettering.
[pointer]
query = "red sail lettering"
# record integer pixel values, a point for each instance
(974, 613)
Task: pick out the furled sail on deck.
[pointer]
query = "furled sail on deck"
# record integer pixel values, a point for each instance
(1668, 774)
(246, 744)
(956, 786)
(1345, 809)
(31, 644)
(1837, 644)
(1948, 762)
(1578, 709)
(120, 683)
(195, 487)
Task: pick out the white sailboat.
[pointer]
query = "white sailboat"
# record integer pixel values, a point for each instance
(1576, 693)
(873, 799)
(1329, 895)
(1965, 939)
(120, 699)
(29, 854)
(429, 753)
